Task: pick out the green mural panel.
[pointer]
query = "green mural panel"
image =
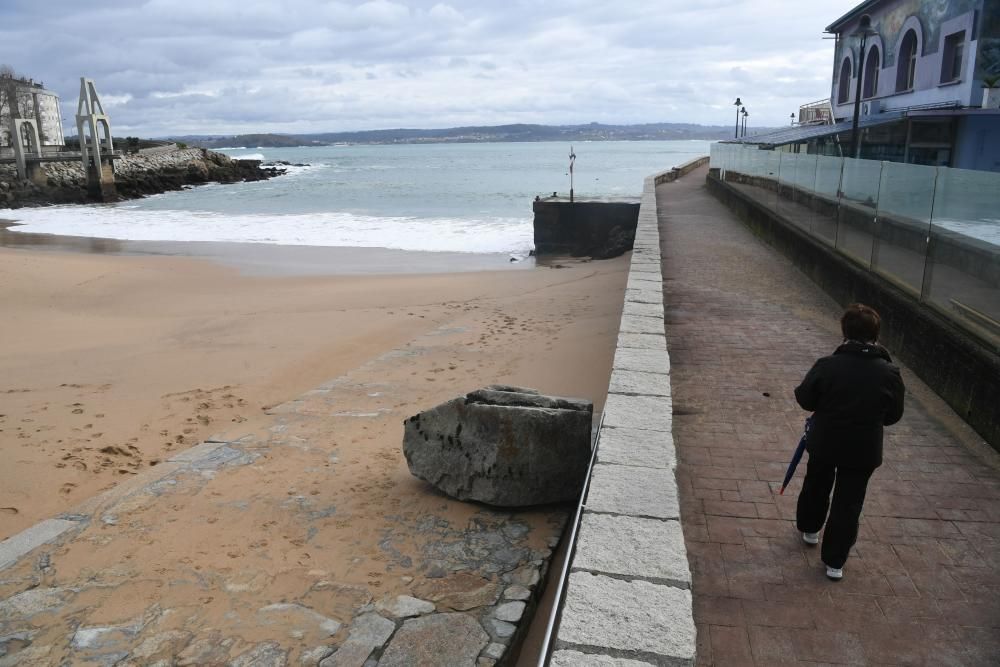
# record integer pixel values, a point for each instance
(988, 60)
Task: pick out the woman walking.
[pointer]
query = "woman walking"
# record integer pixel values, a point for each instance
(853, 393)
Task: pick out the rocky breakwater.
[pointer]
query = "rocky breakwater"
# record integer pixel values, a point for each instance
(136, 175)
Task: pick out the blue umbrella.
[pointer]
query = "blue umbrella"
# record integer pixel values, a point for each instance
(796, 457)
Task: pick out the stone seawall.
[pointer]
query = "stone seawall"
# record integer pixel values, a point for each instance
(629, 588)
(676, 172)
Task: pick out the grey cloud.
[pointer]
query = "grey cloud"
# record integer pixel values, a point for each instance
(239, 66)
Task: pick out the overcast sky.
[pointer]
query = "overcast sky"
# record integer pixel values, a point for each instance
(233, 66)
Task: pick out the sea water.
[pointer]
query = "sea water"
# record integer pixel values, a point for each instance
(428, 197)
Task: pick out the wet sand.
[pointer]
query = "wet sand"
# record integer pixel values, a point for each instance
(275, 260)
(111, 362)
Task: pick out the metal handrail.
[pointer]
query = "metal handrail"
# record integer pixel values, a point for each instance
(550, 627)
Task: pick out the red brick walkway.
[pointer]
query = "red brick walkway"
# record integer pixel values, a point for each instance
(922, 586)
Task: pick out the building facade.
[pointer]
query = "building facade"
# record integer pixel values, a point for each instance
(918, 72)
(33, 101)
(929, 59)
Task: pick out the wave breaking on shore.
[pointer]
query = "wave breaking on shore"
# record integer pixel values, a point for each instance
(129, 222)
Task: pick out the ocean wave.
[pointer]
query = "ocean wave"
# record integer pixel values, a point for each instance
(249, 156)
(987, 230)
(473, 235)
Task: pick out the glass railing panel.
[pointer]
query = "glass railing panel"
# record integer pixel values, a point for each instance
(805, 181)
(756, 164)
(786, 168)
(828, 176)
(787, 165)
(825, 201)
(962, 279)
(772, 165)
(734, 160)
(905, 199)
(856, 213)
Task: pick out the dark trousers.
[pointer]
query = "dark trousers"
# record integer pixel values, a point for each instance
(849, 486)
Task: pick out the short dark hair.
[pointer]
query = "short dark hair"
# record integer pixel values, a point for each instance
(860, 322)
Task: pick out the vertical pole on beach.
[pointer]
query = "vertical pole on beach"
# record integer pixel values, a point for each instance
(572, 159)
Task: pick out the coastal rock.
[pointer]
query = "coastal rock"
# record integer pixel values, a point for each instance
(510, 611)
(205, 651)
(298, 616)
(368, 632)
(404, 606)
(267, 654)
(158, 647)
(315, 655)
(34, 601)
(459, 592)
(136, 175)
(494, 651)
(504, 446)
(501, 629)
(516, 592)
(438, 639)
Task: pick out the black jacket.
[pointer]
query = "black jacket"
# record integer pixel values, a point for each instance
(854, 393)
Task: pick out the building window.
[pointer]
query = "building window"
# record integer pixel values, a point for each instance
(844, 87)
(951, 60)
(870, 88)
(906, 62)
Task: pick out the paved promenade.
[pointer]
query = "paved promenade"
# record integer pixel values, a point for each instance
(922, 586)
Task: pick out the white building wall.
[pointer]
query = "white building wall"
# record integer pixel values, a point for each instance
(927, 87)
(49, 115)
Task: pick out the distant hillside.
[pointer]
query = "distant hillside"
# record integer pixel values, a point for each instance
(520, 132)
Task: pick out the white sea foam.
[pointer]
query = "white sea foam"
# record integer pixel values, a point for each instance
(500, 235)
(984, 230)
(249, 156)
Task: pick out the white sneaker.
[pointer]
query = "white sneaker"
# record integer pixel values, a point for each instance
(834, 573)
(812, 539)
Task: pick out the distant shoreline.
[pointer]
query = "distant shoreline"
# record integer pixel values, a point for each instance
(466, 135)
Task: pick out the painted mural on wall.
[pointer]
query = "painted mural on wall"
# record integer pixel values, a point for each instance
(888, 20)
(988, 62)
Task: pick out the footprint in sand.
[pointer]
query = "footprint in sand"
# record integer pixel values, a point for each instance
(67, 488)
(115, 450)
(9, 510)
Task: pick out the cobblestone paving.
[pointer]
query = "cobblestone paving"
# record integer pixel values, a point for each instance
(922, 586)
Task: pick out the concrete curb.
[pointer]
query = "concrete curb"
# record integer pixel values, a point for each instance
(628, 600)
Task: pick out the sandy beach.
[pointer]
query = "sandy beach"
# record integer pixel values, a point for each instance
(113, 365)
(109, 363)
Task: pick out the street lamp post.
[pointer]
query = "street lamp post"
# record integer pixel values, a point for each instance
(572, 161)
(791, 117)
(736, 134)
(864, 31)
(745, 114)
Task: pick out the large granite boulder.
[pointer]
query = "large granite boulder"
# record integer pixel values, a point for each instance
(504, 446)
